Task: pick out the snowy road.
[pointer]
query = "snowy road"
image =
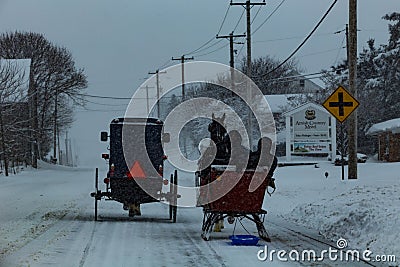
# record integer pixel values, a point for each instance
(47, 220)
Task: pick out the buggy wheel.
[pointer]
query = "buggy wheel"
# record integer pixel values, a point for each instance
(175, 197)
(170, 200)
(174, 210)
(95, 209)
(96, 184)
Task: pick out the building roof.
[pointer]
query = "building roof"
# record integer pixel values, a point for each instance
(279, 103)
(386, 126)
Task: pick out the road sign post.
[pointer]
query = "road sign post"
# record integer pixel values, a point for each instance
(341, 104)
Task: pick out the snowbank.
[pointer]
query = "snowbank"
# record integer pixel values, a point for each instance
(48, 166)
(365, 211)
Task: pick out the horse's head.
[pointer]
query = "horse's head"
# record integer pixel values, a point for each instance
(217, 129)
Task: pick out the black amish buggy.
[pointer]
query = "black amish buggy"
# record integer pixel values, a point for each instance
(136, 166)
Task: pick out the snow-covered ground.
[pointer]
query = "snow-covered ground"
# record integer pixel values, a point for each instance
(365, 212)
(47, 220)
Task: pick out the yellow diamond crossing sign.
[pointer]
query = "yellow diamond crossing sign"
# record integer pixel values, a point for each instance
(341, 104)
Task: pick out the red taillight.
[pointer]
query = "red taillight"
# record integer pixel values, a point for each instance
(112, 168)
(164, 157)
(213, 174)
(160, 170)
(107, 180)
(105, 156)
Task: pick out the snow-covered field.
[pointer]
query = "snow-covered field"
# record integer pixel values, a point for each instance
(47, 220)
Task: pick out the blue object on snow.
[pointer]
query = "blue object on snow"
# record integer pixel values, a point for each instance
(244, 240)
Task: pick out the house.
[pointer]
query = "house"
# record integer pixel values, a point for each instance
(388, 134)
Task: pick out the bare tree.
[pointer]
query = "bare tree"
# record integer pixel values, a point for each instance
(11, 94)
(53, 77)
(269, 78)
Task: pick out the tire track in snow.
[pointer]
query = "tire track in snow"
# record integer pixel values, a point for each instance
(281, 231)
(200, 251)
(87, 247)
(40, 243)
(47, 221)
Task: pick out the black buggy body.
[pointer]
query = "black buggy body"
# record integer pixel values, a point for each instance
(136, 160)
(135, 165)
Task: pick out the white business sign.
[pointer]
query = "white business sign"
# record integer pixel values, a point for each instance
(310, 124)
(311, 147)
(311, 131)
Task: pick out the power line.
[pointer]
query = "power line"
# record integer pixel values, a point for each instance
(206, 48)
(129, 98)
(165, 64)
(200, 48)
(100, 110)
(301, 75)
(223, 21)
(213, 51)
(341, 47)
(106, 97)
(273, 12)
(240, 51)
(255, 16)
(237, 24)
(321, 52)
(182, 59)
(305, 40)
(240, 18)
(290, 38)
(119, 98)
(103, 104)
(217, 42)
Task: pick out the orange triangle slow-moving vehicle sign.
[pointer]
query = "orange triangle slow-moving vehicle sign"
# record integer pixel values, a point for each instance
(136, 171)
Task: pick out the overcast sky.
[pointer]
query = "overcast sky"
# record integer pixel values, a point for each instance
(117, 42)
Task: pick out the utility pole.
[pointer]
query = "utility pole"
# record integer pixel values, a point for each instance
(341, 135)
(347, 43)
(157, 73)
(352, 126)
(59, 148)
(55, 128)
(66, 149)
(147, 97)
(248, 4)
(33, 101)
(182, 60)
(232, 56)
(71, 158)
